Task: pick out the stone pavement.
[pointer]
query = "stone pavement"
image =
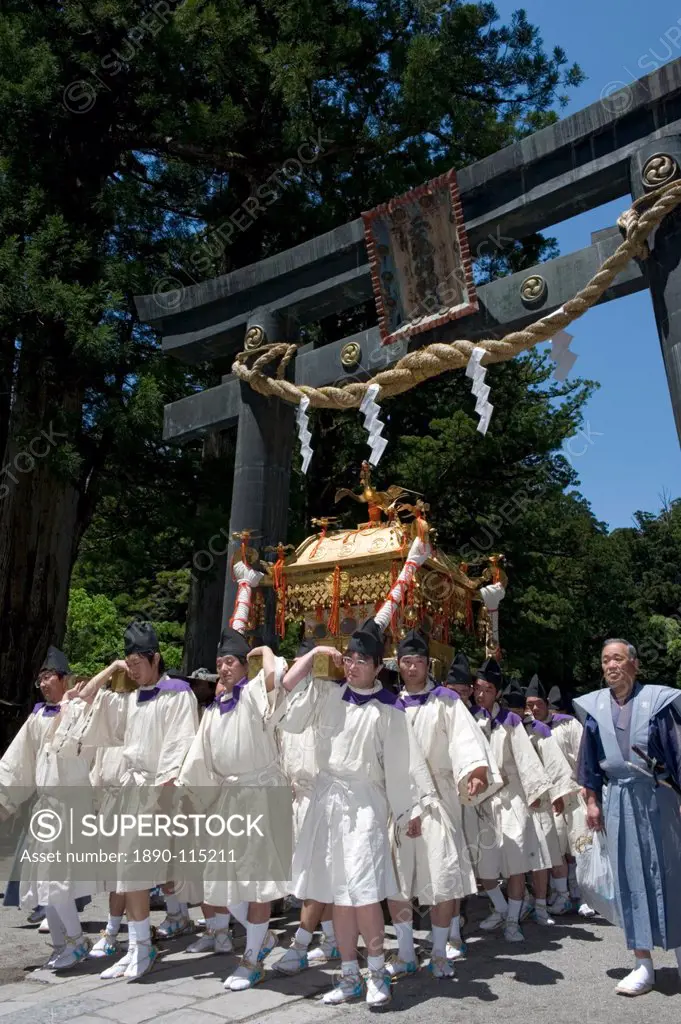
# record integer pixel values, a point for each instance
(563, 975)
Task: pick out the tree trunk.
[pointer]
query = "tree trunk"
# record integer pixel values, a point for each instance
(42, 510)
(38, 525)
(7, 356)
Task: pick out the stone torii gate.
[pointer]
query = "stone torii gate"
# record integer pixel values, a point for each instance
(626, 145)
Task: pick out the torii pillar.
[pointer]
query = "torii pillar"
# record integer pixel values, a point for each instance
(262, 464)
(655, 164)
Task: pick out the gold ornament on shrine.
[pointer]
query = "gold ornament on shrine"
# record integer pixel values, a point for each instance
(248, 555)
(339, 576)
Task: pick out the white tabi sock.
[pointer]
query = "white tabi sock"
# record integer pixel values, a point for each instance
(376, 963)
(139, 931)
(440, 936)
(329, 933)
(644, 971)
(302, 937)
(172, 904)
(540, 903)
(113, 925)
(405, 942)
(218, 923)
(455, 928)
(239, 912)
(498, 901)
(349, 967)
(255, 934)
(514, 911)
(560, 885)
(69, 917)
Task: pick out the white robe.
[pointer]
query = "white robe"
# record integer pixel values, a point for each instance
(507, 842)
(567, 732)
(154, 736)
(438, 865)
(237, 748)
(363, 755)
(563, 785)
(298, 761)
(105, 775)
(32, 767)
(107, 769)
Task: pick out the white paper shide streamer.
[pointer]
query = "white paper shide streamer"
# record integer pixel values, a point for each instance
(246, 578)
(483, 407)
(371, 410)
(418, 553)
(560, 351)
(304, 435)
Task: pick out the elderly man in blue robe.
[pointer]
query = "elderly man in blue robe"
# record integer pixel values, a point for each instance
(641, 814)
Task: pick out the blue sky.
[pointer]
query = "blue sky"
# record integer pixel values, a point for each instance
(631, 457)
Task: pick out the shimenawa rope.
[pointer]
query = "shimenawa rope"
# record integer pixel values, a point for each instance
(636, 224)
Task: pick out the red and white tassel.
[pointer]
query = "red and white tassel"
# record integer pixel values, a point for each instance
(246, 578)
(418, 553)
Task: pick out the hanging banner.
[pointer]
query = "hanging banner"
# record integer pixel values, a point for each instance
(420, 262)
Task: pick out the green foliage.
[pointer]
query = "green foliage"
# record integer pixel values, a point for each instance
(94, 637)
(652, 550)
(290, 643)
(95, 627)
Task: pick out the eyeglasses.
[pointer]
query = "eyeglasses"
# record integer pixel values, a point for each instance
(45, 676)
(355, 661)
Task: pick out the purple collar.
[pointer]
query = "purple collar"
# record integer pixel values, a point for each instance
(382, 695)
(163, 685)
(555, 717)
(541, 728)
(413, 699)
(503, 716)
(145, 695)
(47, 709)
(506, 717)
(228, 703)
